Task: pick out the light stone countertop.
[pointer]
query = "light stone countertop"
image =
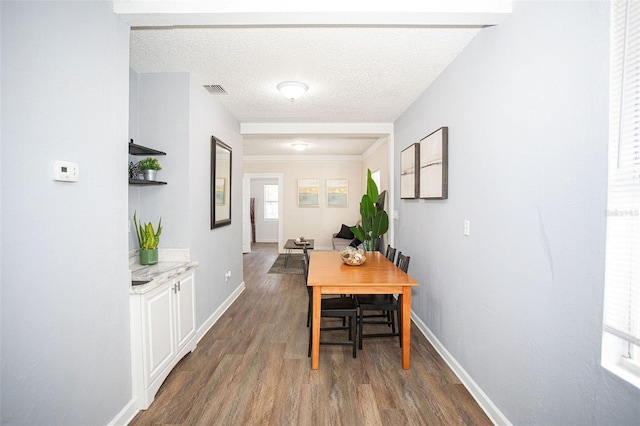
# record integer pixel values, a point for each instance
(177, 262)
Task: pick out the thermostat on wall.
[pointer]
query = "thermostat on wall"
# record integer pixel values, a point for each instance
(65, 171)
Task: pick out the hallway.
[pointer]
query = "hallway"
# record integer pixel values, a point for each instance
(252, 368)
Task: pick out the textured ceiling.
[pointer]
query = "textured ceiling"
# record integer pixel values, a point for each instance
(355, 74)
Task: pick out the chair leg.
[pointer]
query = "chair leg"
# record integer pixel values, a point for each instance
(310, 335)
(360, 321)
(352, 329)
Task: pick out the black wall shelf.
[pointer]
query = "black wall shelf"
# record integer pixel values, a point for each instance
(143, 150)
(145, 182)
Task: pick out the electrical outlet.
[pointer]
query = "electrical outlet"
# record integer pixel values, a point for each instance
(467, 227)
(227, 275)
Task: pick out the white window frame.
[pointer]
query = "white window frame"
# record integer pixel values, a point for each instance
(621, 323)
(267, 201)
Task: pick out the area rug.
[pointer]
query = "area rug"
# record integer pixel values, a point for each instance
(294, 265)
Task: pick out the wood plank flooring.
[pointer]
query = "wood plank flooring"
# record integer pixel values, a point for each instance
(252, 368)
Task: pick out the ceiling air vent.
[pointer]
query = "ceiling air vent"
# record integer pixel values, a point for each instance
(215, 89)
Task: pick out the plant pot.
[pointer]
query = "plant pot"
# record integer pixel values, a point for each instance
(148, 257)
(149, 174)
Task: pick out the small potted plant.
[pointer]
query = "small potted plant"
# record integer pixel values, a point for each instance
(149, 166)
(148, 240)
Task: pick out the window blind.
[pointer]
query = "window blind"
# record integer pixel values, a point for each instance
(622, 276)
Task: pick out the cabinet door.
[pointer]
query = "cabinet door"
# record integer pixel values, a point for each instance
(160, 347)
(185, 306)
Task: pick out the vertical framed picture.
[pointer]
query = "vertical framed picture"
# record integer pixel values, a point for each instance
(337, 193)
(409, 172)
(220, 183)
(308, 192)
(434, 165)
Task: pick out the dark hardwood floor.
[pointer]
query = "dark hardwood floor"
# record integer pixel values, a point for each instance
(252, 368)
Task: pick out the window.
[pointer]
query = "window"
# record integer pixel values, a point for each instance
(270, 202)
(621, 333)
(376, 178)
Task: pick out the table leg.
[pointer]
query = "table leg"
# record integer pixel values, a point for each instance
(406, 326)
(315, 324)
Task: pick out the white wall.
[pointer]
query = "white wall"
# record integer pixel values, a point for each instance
(163, 124)
(518, 303)
(64, 291)
(177, 116)
(266, 230)
(220, 249)
(314, 222)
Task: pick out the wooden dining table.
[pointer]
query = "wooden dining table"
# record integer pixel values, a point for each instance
(378, 275)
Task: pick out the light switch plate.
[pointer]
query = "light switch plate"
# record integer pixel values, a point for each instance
(65, 171)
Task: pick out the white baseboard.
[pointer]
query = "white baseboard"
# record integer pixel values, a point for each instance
(476, 392)
(204, 328)
(125, 415)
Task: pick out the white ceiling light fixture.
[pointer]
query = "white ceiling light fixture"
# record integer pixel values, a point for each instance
(292, 90)
(299, 146)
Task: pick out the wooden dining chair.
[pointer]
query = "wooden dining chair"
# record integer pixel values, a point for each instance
(388, 304)
(403, 262)
(337, 307)
(391, 253)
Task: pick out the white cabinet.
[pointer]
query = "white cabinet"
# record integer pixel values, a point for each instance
(163, 331)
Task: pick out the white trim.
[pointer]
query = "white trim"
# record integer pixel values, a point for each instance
(374, 147)
(125, 415)
(476, 392)
(204, 328)
(360, 129)
(299, 158)
(280, 177)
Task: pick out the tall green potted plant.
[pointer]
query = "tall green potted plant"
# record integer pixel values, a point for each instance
(374, 220)
(148, 240)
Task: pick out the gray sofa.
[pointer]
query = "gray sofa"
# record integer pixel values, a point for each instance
(342, 238)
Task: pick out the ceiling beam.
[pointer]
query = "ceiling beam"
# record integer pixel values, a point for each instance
(150, 13)
(335, 129)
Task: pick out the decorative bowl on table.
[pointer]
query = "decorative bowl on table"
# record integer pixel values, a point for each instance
(352, 256)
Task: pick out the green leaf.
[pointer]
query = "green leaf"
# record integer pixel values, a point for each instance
(380, 224)
(367, 208)
(358, 232)
(135, 224)
(372, 188)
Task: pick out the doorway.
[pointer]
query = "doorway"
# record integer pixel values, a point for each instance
(266, 225)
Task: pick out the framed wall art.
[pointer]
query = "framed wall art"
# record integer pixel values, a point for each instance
(337, 193)
(409, 172)
(220, 183)
(434, 165)
(308, 192)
